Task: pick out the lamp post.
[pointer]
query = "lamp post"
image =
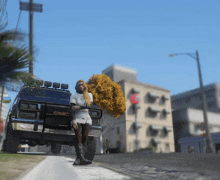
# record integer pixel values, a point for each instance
(209, 147)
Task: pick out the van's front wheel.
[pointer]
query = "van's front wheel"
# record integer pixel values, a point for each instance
(11, 142)
(55, 148)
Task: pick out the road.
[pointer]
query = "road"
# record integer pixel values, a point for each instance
(131, 166)
(164, 166)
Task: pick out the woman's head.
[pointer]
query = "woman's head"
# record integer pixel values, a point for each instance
(82, 88)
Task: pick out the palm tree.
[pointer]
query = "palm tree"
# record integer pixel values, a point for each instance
(14, 59)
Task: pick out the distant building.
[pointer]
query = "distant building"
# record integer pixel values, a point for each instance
(154, 116)
(188, 122)
(198, 144)
(118, 73)
(193, 98)
(187, 112)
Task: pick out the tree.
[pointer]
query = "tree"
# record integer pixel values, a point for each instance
(13, 60)
(14, 55)
(107, 94)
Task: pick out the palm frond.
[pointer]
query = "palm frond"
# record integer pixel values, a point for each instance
(14, 60)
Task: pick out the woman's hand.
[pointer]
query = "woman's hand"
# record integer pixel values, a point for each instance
(76, 107)
(75, 126)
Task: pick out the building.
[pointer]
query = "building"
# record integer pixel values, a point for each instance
(197, 143)
(188, 113)
(118, 73)
(193, 98)
(154, 116)
(189, 122)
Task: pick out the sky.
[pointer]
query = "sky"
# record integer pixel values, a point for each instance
(76, 39)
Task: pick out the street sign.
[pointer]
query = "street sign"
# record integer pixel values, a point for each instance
(26, 7)
(135, 99)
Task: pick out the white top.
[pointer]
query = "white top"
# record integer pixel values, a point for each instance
(81, 116)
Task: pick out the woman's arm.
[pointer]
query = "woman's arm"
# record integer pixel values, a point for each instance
(74, 106)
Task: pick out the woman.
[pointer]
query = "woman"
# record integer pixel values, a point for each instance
(81, 119)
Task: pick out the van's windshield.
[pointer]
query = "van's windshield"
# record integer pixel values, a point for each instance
(40, 92)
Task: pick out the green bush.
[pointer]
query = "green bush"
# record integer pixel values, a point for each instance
(151, 149)
(122, 150)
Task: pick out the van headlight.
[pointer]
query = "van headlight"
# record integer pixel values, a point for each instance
(32, 107)
(25, 106)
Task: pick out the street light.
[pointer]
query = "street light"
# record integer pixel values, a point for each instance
(209, 147)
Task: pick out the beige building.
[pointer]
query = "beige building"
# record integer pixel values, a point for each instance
(154, 116)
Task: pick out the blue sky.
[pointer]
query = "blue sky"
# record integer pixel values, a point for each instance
(76, 39)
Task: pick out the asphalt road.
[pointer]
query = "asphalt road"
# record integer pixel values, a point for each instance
(162, 166)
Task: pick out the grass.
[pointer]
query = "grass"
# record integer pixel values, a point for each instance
(13, 165)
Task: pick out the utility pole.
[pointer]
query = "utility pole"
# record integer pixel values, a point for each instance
(208, 139)
(31, 7)
(31, 37)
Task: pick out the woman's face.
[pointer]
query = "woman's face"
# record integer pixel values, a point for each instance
(82, 87)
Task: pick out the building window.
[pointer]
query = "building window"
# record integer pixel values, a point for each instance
(118, 130)
(152, 97)
(167, 146)
(165, 112)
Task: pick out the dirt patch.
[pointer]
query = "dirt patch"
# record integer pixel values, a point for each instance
(13, 165)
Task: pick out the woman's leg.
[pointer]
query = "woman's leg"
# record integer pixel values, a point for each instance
(85, 132)
(79, 133)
